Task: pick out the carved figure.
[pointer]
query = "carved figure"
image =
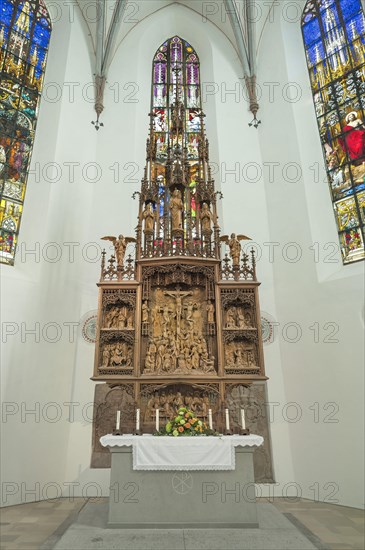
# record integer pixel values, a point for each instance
(210, 312)
(106, 356)
(231, 318)
(121, 318)
(130, 318)
(176, 206)
(145, 312)
(149, 218)
(234, 247)
(248, 319)
(206, 218)
(149, 362)
(120, 246)
(178, 296)
(241, 323)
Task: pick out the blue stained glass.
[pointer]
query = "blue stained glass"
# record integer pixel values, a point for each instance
(349, 7)
(315, 53)
(41, 36)
(324, 4)
(25, 30)
(311, 32)
(6, 11)
(338, 90)
(330, 19)
(24, 20)
(356, 27)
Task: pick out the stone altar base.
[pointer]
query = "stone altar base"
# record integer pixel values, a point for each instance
(187, 499)
(89, 532)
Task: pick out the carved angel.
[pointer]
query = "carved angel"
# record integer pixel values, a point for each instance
(120, 245)
(234, 246)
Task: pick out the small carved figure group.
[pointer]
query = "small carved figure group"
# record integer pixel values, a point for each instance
(119, 318)
(239, 356)
(184, 352)
(238, 318)
(176, 315)
(118, 355)
(169, 403)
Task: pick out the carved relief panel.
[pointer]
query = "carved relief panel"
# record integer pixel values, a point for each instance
(169, 397)
(178, 323)
(115, 349)
(252, 399)
(107, 402)
(240, 332)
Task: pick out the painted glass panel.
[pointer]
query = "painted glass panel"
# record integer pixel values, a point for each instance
(334, 39)
(25, 31)
(175, 78)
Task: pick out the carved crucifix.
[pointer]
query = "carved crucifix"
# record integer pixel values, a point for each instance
(178, 296)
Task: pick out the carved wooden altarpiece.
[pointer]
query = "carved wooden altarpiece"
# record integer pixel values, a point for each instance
(179, 317)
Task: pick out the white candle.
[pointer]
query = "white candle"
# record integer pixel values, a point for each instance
(137, 419)
(243, 423)
(210, 419)
(227, 420)
(157, 420)
(118, 420)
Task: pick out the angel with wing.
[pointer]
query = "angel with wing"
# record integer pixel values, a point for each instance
(234, 246)
(120, 246)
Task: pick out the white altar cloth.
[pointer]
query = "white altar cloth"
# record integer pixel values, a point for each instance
(182, 453)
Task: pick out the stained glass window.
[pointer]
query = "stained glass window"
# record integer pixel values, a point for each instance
(176, 82)
(333, 32)
(25, 30)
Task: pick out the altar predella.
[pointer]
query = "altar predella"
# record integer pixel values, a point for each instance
(178, 315)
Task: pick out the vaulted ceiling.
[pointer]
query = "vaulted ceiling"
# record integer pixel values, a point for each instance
(107, 22)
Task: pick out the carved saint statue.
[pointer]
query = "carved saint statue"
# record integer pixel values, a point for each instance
(176, 207)
(206, 218)
(149, 218)
(145, 312)
(210, 312)
(120, 246)
(234, 247)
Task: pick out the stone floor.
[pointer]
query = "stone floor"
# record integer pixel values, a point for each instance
(284, 525)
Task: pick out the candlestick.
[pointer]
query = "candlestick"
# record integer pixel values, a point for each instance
(117, 427)
(137, 419)
(210, 419)
(227, 420)
(157, 420)
(243, 423)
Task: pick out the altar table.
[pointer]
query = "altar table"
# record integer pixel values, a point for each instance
(182, 482)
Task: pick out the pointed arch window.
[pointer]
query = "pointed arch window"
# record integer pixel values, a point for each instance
(176, 100)
(334, 40)
(25, 30)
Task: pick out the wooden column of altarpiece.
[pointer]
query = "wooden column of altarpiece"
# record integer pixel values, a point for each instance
(179, 317)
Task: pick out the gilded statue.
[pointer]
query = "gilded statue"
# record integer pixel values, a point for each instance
(206, 218)
(176, 206)
(234, 247)
(120, 246)
(149, 218)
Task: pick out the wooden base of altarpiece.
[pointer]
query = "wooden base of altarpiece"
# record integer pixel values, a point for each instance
(181, 500)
